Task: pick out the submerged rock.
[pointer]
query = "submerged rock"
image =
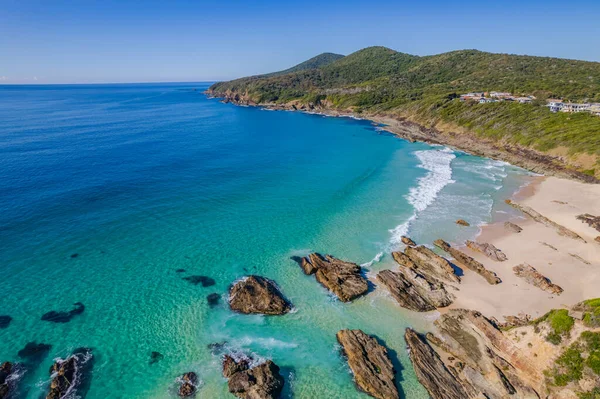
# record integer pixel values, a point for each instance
(188, 383)
(155, 357)
(369, 361)
(203, 280)
(488, 250)
(255, 294)
(535, 278)
(427, 263)
(259, 382)
(414, 291)
(213, 299)
(591, 220)
(342, 278)
(561, 230)
(68, 374)
(468, 262)
(34, 352)
(64, 317)
(472, 359)
(407, 241)
(462, 222)
(5, 321)
(515, 228)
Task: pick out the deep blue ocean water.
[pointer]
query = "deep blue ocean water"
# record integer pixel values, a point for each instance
(107, 190)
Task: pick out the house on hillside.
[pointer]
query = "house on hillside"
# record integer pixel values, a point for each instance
(484, 100)
(472, 96)
(524, 100)
(554, 104)
(575, 107)
(498, 94)
(594, 109)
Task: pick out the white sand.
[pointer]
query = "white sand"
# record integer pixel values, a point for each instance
(514, 295)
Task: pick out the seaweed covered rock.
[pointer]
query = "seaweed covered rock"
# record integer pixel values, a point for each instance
(262, 381)
(342, 278)
(370, 363)
(468, 262)
(535, 278)
(415, 291)
(255, 294)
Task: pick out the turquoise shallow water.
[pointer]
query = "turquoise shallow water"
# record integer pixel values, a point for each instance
(142, 180)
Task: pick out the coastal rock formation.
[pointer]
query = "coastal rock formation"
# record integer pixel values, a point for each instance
(407, 241)
(468, 262)
(488, 250)
(561, 230)
(259, 382)
(591, 220)
(342, 278)
(514, 321)
(440, 381)
(369, 361)
(462, 222)
(535, 278)
(188, 383)
(515, 228)
(67, 375)
(255, 294)
(474, 352)
(427, 263)
(414, 291)
(7, 380)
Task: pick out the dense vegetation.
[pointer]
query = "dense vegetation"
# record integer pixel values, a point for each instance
(580, 360)
(379, 80)
(560, 324)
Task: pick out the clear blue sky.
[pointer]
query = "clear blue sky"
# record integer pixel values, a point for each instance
(80, 41)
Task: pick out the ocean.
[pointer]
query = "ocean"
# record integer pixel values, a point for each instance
(108, 191)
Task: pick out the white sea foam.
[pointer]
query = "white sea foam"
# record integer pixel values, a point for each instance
(438, 164)
(376, 259)
(268, 343)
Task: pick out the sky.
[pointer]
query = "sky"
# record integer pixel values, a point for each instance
(83, 41)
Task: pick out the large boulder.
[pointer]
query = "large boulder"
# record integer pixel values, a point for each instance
(407, 241)
(369, 361)
(255, 294)
(535, 278)
(68, 374)
(262, 381)
(342, 278)
(188, 384)
(427, 263)
(488, 250)
(466, 261)
(414, 291)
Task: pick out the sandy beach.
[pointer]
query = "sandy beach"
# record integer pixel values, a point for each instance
(572, 264)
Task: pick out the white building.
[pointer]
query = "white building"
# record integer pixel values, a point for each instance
(498, 94)
(555, 105)
(575, 107)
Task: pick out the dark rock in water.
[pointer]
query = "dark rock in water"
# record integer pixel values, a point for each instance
(255, 294)
(217, 347)
(259, 382)
(342, 278)
(204, 280)
(155, 357)
(64, 317)
(407, 241)
(468, 262)
(462, 222)
(415, 291)
(73, 256)
(213, 299)
(188, 384)
(180, 271)
(372, 368)
(70, 374)
(34, 352)
(5, 321)
(8, 380)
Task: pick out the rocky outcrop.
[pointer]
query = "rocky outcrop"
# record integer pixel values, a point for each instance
(514, 321)
(68, 374)
(259, 382)
(462, 222)
(7, 380)
(187, 384)
(407, 241)
(342, 278)
(535, 278)
(369, 361)
(440, 381)
(561, 230)
(483, 362)
(414, 291)
(488, 250)
(515, 228)
(255, 294)
(591, 220)
(427, 263)
(468, 262)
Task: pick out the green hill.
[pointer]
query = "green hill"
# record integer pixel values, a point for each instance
(380, 81)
